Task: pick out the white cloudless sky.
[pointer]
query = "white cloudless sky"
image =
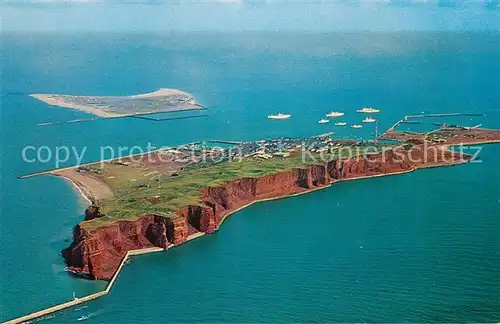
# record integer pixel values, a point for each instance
(236, 15)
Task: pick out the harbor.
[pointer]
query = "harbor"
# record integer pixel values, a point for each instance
(405, 119)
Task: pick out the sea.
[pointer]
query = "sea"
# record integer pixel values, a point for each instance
(419, 247)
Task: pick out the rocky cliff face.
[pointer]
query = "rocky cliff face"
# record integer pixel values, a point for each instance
(374, 164)
(97, 254)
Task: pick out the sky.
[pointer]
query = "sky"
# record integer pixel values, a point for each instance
(256, 15)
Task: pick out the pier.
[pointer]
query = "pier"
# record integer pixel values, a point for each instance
(76, 300)
(30, 175)
(81, 300)
(224, 142)
(324, 135)
(405, 119)
(444, 115)
(170, 118)
(135, 115)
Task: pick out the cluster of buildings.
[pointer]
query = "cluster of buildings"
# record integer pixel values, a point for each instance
(284, 147)
(197, 154)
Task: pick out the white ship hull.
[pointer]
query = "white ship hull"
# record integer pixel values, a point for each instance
(368, 111)
(335, 114)
(280, 116)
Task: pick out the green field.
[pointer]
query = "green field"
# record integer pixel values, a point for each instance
(166, 193)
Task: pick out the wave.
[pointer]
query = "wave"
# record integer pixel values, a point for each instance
(86, 317)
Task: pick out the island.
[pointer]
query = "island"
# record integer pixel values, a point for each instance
(160, 101)
(158, 200)
(167, 197)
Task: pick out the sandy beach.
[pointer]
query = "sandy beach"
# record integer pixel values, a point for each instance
(60, 101)
(90, 189)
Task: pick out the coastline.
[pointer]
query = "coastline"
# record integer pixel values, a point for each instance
(190, 238)
(77, 187)
(59, 102)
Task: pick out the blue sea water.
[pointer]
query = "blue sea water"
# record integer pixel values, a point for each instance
(418, 247)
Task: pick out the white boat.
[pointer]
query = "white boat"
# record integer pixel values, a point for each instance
(340, 124)
(323, 121)
(368, 110)
(335, 114)
(356, 126)
(369, 120)
(279, 116)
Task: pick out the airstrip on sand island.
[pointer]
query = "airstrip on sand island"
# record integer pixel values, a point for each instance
(159, 101)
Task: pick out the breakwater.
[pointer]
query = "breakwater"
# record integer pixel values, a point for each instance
(54, 171)
(81, 300)
(132, 115)
(405, 119)
(77, 301)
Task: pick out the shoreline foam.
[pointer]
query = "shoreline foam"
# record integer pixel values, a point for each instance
(77, 188)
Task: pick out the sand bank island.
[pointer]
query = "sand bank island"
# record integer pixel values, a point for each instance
(161, 100)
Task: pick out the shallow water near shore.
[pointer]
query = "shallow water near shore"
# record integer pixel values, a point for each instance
(417, 247)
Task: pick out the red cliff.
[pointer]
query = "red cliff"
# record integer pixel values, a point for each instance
(97, 254)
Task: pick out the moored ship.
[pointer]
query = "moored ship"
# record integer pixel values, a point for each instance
(334, 114)
(279, 116)
(368, 110)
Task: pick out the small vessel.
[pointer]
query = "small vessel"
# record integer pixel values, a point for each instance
(85, 317)
(323, 121)
(335, 114)
(340, 124)
(368, 110)
(279, 116)
(357, 126)
(369, 120)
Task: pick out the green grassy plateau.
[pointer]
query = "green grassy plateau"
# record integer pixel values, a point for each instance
(136, 194)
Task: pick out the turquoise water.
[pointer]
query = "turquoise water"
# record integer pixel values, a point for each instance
(418, 247)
